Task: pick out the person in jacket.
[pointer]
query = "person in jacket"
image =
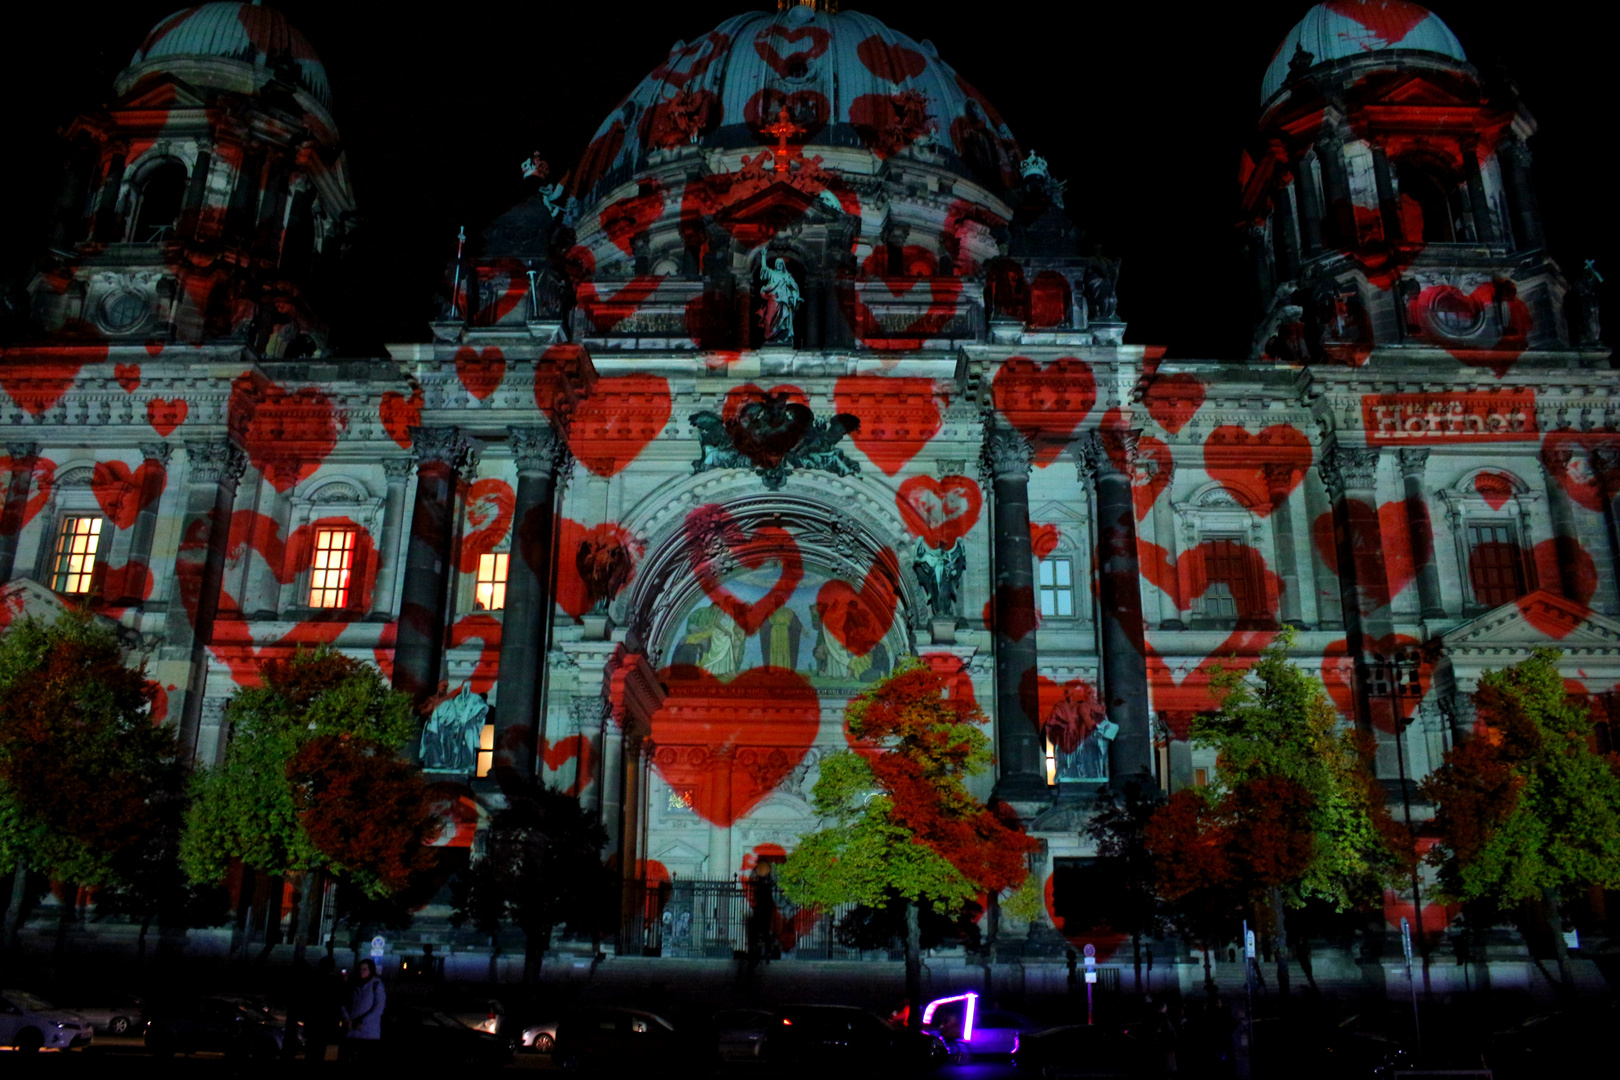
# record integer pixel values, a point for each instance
(364, 1014)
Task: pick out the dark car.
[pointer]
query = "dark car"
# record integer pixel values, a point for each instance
(593, 1038)
(817, 1038)
(1085, 1051)
(432, 1037)
(737, 1032)
(187, 1025)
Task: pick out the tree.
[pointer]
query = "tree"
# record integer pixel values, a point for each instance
(312, 782)
(1124, 878)
(1526, 809)
(541, 868)
(901, 824)
(86, 778)
(1294, 814)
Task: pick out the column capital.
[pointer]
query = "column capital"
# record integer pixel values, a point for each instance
(1007, 455)
(445, 446)
(1280, 476)
(1345, 470)
(537, 449)
(22, 451)
(156, 451)
(218, 463)
(1106, 453)
(1606, 464)
(398, 469)
(1413, 460)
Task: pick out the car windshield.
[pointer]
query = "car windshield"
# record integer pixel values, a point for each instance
(27, 1001)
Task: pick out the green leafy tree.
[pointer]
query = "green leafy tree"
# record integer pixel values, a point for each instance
(1123, 881)
(312, 782)
(541, 868)
(86, 778)
(1526, 809)
(1297, 815)
(901, 823)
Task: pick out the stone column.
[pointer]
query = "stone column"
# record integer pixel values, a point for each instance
(1566, 534)
(1606, 464)
(1107, 457)
(104, 226)
(1413, 460)
(21, 485)
(146, 522)
(1280, 482)
(1006, 461)
(1521, 196)
(419, 645)
(537, 451)
(1310, 206)
(213, 470)
(1485, 224)
(1389, 209)
(191, 214)
(398, 472)
(1329, 611)
(1351, 477)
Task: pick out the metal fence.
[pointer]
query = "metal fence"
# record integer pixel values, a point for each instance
(726, 919)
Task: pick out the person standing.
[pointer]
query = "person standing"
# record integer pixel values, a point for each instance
(364, 1014)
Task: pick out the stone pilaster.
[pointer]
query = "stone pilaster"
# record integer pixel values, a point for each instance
(1605, 461)
(21, 485)
(1566, 533)
(441, 452)
(1351, 478)
(1005, 463)
(1413, 461)
(398, 473)
(146, 522)
(1281, 479)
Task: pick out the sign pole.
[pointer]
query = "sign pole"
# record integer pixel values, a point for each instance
(1091, 978)
(1411, 983)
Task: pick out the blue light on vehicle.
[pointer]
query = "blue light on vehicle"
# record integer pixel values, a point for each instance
(972, 1000)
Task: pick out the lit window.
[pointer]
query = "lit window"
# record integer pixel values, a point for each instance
(329, 577)
(1494, 566)
(486, 749)
(680, 800)
(76, 547)
(491, 593)
(1051, 763)
(1200, 778)
(1057, 587)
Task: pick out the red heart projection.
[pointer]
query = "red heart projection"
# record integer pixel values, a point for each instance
(1576, 474)
(131, 581)
(289, 557)
(1023, 616)
(944, 303)
(888, 123)
(1148, 484)
(703, 722)
(233, 646)
(859, 620)
(1388, 20)
(490, 504)
(1254, 588)
(898, 417)
(793, 63)
(573, 595)
(890, 62)
(613, 426)
(399, 414)
(1438, 308)
(1237, 461)
(1559, 559)
(1173, 399)
(42, 480)
(1180, 697)
(165, 416)
(575, 748)
(628, 218)
(487, 629)
(128, 376)
(939, 511)
(280, 427)
(121, 493)
(1381, 550)
(480, 372)
(739, 396)
(1043, 539)
(154, 349)
(36, 386)
(765, 545)
(1495, 488)
(1046, 403)
(963, 219)
(1339, 676)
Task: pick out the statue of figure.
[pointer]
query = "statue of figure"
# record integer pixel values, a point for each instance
(833, 660)
(939, 571)
(779, 638)
(726, 644)
(781, 295)
(450, 738)
(1072, 728)
(1586, 328)
(552, 196)
(604, 566)
(1033, 165)
(536, 167)
(1102, 275)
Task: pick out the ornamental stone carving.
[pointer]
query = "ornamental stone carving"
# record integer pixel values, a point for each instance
(1413, 460)
(1344, 470)
(1279, 479)
(22, 451)
(1007, 455)
(1105, 454)
(398, 469)
(216, 462)
(445, 446)
(156, 451)
(537, 449)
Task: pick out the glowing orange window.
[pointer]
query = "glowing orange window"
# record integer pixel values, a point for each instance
(76, 547)
(491, 592)
(329, 574)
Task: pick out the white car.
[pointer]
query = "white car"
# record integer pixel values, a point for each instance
(29, 1023)
(540, 1037)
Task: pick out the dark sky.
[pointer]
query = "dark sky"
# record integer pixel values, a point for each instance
(1142, 107)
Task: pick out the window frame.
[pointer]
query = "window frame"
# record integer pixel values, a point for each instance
(347, 593)
(1058, 590)
(59, 572)
(500, 579)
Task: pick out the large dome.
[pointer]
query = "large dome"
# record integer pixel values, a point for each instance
(247, 33)
(845, 78)
(1339, 29)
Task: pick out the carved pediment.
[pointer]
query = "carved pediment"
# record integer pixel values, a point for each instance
(24, 597)
(1540, 619)
(1415, 89)
(166, 94)
(778, 206)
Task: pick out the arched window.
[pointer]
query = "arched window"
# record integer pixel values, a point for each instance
(159, 196)
(1431, 206)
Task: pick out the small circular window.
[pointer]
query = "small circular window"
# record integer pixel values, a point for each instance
(123, 311)
(1454, 315)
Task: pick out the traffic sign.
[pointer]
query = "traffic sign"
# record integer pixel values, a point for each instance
(378, 947)
(1248, 944)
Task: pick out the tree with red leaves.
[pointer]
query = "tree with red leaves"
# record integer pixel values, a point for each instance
(902, 823)
(313, 783)
(1526, 808)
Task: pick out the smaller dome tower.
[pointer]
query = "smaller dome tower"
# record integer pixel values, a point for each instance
(1387, 198)
(208, 198)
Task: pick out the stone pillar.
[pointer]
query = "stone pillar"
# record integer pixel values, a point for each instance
(1280, 482)
(398, 472)
(1486, 230)
(1606, 464)
(213, 470)
(1351, 479)
(1164, 534)
(104, 227)
(537, 451)
(1329, 610)
(1107, 457)
(419, 645)
(1521, 196)
(1006, 461)
(1566, 534)
(191, 214)
(146, 522)
(21, 485)
(1310, 206)
(1389, 207)
(1421, 529)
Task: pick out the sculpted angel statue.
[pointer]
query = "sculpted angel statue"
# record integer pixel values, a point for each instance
(781, 295)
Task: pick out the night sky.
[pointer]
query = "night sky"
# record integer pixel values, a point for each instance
(1142, 107)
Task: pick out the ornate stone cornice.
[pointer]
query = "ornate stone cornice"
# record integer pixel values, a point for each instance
(445, 446)
(156, 451)
(1007, 455)
(1413, 460)
(538, 449)
(216, 462)
(1347, 470)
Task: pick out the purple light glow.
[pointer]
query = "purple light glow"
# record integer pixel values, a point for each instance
(972, 1000)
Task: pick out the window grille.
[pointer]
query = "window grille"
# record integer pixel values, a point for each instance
(329, 576)
(486, 749)
(1494, 566)
(76, 547)
(1057, 587)
(491, 592)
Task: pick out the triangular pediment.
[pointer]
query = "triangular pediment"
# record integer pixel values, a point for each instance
(1540, 619)
(25, 597)
(1414, 89)
(170, 93)
(780, 202)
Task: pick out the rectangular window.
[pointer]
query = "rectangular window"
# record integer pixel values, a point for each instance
(1230, 592)
(491, 591)
(1200, 778)
(329, 575)
(1051, 763)
(1494, 566)
(76, 547)
(486, 749)
(1057, 588)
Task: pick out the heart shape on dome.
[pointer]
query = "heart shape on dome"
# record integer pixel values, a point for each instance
(794, 64)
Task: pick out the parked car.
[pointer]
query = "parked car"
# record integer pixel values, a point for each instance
(817, 1038)
(221, 1024)
(1081, 1050)
(593, 1038)
(414, 1035)
(116, 1014)
(738, 1032)
(29, 1023)
(971, 1030)
(487, 1016)
(541, 1038)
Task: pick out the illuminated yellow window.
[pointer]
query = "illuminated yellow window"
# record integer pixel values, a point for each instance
(329, 575)
(491, 593)
(486, 747)
(76, 547)
(1051, 763)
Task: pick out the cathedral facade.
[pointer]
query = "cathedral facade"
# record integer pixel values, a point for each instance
(799, 371)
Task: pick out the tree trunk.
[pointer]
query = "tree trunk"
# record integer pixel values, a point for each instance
(140, 951)
(1555, 923)
(1280, 942)
(914, 965)
(306, 901)
(987, 952)
(1136, 957)
(19, 898)
(494, 957)
(535, 944)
